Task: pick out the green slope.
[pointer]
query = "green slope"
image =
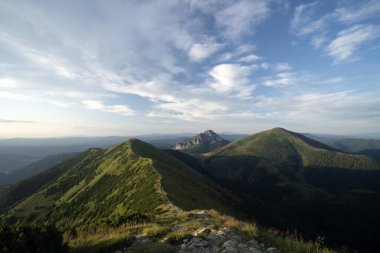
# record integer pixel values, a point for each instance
(283, 146)
(336, 192)
(111, 185)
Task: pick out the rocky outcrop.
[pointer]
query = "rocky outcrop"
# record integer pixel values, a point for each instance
(201, 143)
(205, 239)
(224, 241)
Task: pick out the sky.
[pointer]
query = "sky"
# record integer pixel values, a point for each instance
(129, 67)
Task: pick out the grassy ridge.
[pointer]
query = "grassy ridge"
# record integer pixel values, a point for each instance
(107, 187)
(282, 146)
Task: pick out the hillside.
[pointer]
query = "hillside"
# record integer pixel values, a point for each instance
(201, 143)
(113, 185)
(283, 146)
(305, 178)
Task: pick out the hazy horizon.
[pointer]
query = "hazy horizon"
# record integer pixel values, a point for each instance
(127, 68)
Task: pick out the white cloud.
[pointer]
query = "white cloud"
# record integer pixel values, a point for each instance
(348, 41)
(281, 79)
(317, 41)
(191, 109)
(232, 79)
(338, 112)
(14, 95)
(6, 82)
(264, 65)
(100, 106)
(39, 56)
(359, 12)
(282, 66)
(250, 58)
(336, 79)
(199, 52)
(242, 17)
(305, 22)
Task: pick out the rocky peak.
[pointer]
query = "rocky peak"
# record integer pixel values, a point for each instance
(201, 143)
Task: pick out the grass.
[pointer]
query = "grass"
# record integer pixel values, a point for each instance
(285, 242)
(292, 242)
(155, 230)
(103, 239)
(185, 224)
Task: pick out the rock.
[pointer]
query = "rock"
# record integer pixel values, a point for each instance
(196, 245)
(203, 232)
(199, 242)
(201, 143)
(142, 239)
(202, 214)
(229, 243)
(254, 250)
(230, 250)
(272, 250)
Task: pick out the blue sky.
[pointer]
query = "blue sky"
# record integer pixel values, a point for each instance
(168, 66)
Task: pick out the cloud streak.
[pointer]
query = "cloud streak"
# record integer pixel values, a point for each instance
(100, 106)
(348, 41)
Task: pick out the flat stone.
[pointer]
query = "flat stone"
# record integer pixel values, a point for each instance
(229, 243)
(230, 250)
(272, 250)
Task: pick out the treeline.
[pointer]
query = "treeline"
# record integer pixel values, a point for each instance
(31, 238)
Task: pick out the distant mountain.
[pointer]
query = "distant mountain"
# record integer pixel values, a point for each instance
(370, 147)
(282, 146)
(34, 168)
(201, 143)
(106, 186)
(18, 152)
(308, 179)
(233, 137)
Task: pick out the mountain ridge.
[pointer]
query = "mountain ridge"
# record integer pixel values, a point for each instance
(201, 143)
(111, 184)
(281, 145)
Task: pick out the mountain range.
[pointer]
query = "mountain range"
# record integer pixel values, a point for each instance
(277, 178)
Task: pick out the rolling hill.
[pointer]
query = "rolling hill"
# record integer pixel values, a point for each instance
(306, 178)
(201, 143)
(282, 146)
(111, 185)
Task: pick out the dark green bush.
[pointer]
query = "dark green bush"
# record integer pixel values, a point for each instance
(22, 237)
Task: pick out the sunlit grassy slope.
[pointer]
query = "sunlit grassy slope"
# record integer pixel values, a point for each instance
(109, 186)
